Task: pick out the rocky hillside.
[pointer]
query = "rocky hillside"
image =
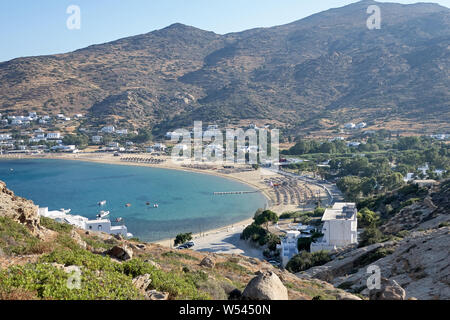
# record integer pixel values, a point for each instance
(417, 258)
(110, 267)
(327, 66)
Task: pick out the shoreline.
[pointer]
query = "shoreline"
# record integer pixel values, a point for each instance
(108, 159)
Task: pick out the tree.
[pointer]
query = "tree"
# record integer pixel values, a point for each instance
(368, 186)
(367, 218)
(350, 186)
(305, 260)
(301, 147)
(370, 236)
(183, 238)
(272, 240)
(143, 136)
(80, 141)
(265, 217)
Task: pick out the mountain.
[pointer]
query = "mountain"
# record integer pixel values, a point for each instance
(328, 66)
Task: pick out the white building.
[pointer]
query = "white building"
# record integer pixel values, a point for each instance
(97, 139)
(289, 246)
(108, 129)
(101, 225)
(350, 125)
(361, 125)
(62, 148)
(339, 228)
(122, 132)
(4, 137)
(353, 144)
(53, 135)
(173, 135)
(159, 147)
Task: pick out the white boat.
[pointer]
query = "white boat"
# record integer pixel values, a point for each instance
(102, 203)
(103, 214)
(65, 211)
(119, 219)
(155, 205)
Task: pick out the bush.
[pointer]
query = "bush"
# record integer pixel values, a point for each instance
(370, 236)
(304, 244)
(318, 212)
(50, 282)
(289, 215)
(367, 218)
(272, 240)
(256, 233)
(54, 225)
(305, 260)
(265, 217)
(16, 239)
(183, 238)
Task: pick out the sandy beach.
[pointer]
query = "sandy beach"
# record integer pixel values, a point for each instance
(220, 240)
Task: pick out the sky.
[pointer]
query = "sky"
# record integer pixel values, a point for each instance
(39, 27)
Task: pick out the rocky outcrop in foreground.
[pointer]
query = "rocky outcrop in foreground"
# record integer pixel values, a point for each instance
(265, 286)
(420, 264)
(18, 209)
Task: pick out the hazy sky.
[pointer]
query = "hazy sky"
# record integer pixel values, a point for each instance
(37, 27)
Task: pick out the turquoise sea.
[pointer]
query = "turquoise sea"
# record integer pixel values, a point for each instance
(186, 201)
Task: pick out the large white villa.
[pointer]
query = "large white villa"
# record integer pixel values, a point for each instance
(288, 246)
(101, 225)
(339, 228)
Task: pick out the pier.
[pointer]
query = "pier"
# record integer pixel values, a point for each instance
(234, 192)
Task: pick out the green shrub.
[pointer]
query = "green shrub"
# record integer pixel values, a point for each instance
(254, 232)
(318, 212)
(305, 260)
(80, 257)
(54, 225)
(50, 282)
(16, 239)
(183, 238)
(266, 217)
(367, 218)
(370, 236)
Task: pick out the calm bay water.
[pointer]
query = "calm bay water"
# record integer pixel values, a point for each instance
(186, 200)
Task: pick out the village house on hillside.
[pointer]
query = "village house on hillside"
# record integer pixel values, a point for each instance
(339, 228)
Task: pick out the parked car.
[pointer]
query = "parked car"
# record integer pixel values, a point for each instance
(190, 244)
(274, 263)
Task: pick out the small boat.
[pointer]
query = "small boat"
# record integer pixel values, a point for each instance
(64, 210)
(155, 205)
(147, 203)
(128, 205)
(119, 219)
(102, 203)
(103, 214)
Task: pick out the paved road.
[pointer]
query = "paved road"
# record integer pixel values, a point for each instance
(227, 241)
